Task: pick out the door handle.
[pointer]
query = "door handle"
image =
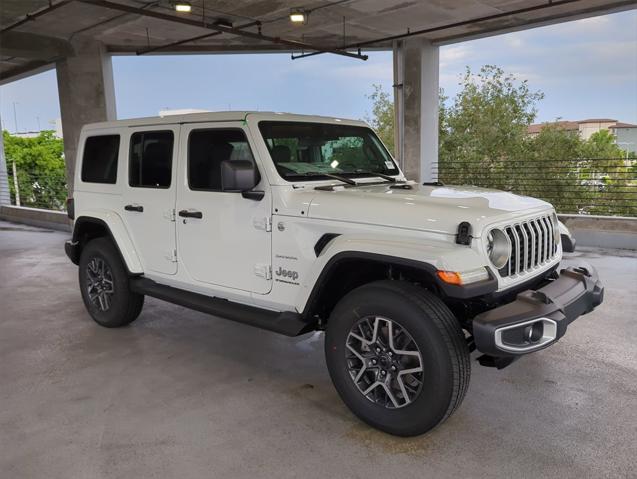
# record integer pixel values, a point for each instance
(190, 214)
(138, 208)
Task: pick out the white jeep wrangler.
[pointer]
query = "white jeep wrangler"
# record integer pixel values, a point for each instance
(296, 224)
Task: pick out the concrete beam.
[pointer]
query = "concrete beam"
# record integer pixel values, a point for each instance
(24, 71)
(416, 78)
(33, 46)
(87, 94)
(517, 24)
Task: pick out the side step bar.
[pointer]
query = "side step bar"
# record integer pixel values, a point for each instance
(288, 323)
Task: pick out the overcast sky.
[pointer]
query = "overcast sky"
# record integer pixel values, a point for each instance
(586, 68)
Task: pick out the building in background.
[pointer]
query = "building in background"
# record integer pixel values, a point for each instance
(625, 133)
(584, 128)
(56, 127)
(26, 134)
(626, 136)
(565, 125)
(589, 127)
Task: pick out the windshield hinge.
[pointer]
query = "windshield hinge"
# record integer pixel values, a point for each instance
(264, 224)
(263, 271)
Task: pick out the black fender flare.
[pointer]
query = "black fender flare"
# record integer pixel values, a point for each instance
(74, 247)
(452, 291)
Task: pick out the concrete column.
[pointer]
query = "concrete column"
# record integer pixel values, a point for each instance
(399, 103)
(416, 81)
(5, 196)
(87, 94)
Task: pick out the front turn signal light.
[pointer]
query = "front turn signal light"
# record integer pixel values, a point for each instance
(463, 277)
(450, 277)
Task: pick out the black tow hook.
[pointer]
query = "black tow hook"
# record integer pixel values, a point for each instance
(496, 362)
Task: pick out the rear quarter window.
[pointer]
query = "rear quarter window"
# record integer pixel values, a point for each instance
(99, 161)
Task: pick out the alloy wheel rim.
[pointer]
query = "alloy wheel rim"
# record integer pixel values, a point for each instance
(99, 284)
(384, 362)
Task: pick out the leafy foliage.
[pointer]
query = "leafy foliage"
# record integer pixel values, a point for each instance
(382, 119)
(601, 145)
(488, 119)
(40, 169)
(484, 141)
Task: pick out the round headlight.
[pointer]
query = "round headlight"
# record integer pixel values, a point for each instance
(498, 248)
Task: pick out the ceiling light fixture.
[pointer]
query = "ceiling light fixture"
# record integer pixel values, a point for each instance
(183, 7)
(298, 15)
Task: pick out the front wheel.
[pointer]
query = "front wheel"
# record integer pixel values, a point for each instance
(397, 356)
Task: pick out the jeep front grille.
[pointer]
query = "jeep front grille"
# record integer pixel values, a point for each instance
(532, 245)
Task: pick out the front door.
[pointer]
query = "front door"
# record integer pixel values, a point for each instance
(223, 238)
(149, 196)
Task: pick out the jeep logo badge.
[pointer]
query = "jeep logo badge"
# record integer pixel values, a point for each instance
(285, 273)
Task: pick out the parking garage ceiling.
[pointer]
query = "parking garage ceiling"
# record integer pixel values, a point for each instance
(36, 33)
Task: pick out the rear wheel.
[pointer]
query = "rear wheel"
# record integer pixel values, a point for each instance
(397, 357)
(104, 285)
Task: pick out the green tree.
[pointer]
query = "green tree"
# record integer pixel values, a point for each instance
(484, 128)
(608, 176)
(601, 144)
(484, 141)
(382, 119)
(40, 170)
(550, 169)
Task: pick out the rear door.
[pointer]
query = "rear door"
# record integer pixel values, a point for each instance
(224, 239)
(148, 204)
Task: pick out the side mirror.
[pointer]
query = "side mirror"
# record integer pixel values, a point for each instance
(239, 175)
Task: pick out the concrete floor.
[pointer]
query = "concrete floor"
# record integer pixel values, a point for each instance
(182, 394)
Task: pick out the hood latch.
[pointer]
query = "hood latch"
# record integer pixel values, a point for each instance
(464, 233)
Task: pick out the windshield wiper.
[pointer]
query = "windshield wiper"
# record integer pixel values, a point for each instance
(331, 175)
(391, 179)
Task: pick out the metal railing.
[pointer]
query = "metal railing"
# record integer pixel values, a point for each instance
(587, 186)
(37, 191)
(598, 186)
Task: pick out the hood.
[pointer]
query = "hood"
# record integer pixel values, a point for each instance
(428, 208)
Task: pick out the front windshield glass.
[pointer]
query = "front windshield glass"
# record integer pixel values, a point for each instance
(308, 151)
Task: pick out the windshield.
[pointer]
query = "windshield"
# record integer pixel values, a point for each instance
(307, 151)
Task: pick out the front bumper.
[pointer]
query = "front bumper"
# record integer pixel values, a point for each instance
(538, 318)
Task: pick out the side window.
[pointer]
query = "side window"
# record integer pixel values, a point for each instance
(207, 149)
(99, 162)
(150, 161)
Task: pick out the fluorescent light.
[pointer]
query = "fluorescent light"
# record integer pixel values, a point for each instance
(298, 16)
(183, 7)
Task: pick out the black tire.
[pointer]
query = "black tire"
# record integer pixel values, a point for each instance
(445, 361)
(124, 306)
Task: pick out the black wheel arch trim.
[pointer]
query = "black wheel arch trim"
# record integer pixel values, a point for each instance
(453, 291)
(73, 248)
(568, 243)
(323, 241)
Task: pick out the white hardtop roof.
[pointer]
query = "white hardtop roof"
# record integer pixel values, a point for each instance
(221, 116)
